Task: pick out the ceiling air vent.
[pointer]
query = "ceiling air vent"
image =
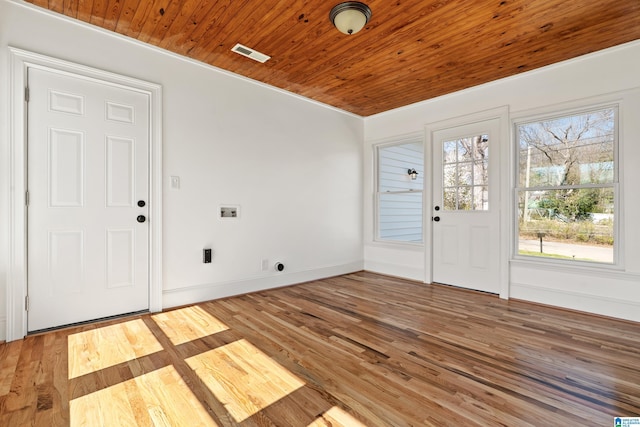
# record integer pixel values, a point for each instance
(250, 53)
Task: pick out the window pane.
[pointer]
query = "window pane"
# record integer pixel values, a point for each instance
(576, 224)
(465, 173)
(393, 164)
(465, 199)
(400, 217)
(449, 153)
(450, 175)
(480, 198)
(464, 150)
(572, 150)
(481, 173)
(450, 198)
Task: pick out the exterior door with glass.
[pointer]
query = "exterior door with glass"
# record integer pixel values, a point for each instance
(466, 217)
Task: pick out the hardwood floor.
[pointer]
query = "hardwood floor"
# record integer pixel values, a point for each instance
(360, 349)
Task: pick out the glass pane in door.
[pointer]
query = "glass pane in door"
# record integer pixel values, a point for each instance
(465, 173)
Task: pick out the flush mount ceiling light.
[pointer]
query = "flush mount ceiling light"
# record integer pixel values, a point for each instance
(350, 17)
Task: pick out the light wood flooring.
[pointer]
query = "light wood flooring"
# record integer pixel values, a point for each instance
(360, 349)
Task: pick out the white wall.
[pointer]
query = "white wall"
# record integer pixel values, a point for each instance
(599, 76)
(293, 166)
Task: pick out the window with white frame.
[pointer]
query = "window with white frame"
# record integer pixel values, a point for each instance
(567, 186)
(400, 174)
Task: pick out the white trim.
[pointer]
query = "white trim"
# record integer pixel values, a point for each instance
(395, 270)
(395, 140)
(604, 272)
(572, 106)
(597, 304)
(20, 60)
(502, 114)
(210, 291)
(3, 325)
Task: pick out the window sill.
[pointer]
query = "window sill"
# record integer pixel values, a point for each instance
(570, 267)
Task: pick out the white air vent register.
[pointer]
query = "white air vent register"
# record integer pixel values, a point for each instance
(250, 53)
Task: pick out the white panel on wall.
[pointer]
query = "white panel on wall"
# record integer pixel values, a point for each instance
(120, 173)
(66, 102)
(120, 257)
(450, 244)
(479, 247)
(66, 261)
(66, 168)
(120, 113)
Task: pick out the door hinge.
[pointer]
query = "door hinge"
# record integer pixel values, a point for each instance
(26, 303)
(26, 198)
(26, 94)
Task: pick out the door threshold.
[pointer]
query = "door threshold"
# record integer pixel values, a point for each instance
(87, 322)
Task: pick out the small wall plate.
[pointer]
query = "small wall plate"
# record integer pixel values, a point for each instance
(227, 212)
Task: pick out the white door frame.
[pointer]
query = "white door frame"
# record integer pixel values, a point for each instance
(504, 154)
(20, 61)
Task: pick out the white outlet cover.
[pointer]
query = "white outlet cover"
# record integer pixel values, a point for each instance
(228, 212)
(175, 182)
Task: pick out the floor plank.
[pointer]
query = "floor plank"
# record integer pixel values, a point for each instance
(356, 350)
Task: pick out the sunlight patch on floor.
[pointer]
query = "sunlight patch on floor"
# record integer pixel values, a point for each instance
(242, 378)
(158, 398)
(9, 355)
(336, 417)
(188, 324)
(100, 348)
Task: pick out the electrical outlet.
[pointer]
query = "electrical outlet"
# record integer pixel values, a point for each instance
(228, 212)
(265, 264)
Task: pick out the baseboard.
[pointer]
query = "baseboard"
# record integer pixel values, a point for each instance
(211, 291)
(3, 329)
(596, 304)
(395, 270)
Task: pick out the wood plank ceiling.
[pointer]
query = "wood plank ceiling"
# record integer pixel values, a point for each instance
(411, 50)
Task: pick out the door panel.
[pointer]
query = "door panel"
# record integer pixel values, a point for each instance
(466, 218)
(66, 168)
(120, 171)
(88, 157)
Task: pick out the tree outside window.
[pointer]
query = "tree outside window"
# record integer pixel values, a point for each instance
(566, 192)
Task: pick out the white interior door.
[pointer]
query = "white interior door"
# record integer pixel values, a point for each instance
(466, 207)
(88, 173)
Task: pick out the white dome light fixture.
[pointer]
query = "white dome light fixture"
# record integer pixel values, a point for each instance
(350, 17)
